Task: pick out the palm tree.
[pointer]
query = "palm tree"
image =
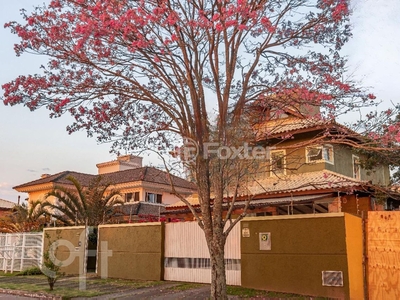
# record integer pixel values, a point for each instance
(24, 218)
(92, 205)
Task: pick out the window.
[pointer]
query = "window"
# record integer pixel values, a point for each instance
(278, 162)
(153, 198)
(356, 167)
(129, 197)
(319, 154)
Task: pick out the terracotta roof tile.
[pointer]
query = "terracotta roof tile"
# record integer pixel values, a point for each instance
(191, 200)
(287, 125)
(310, 181)
(59, 178)
(147, 174)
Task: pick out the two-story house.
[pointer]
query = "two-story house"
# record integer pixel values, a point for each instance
(146, 190)
(311, 168)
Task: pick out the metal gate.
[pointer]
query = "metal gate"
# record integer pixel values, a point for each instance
(187, 257)
(19, 251)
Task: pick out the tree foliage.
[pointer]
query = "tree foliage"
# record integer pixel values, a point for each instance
(24, 218)
(385, 129)
(80, 205)
(151, 73)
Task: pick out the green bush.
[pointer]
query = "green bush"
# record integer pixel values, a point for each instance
(31, 271)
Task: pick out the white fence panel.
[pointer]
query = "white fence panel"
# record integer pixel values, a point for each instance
(19, 251)
(187, 257)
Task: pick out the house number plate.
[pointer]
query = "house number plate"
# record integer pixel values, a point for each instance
(265, 240)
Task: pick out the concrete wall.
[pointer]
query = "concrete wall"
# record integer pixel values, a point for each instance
(131, 251)
(71, 247)
(302, 246)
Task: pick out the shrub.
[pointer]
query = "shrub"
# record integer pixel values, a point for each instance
(31, 271)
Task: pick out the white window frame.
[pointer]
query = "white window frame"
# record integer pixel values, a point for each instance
(153, 197)
(133, 197)
(325, 149)
(355, 160)
(272, 171)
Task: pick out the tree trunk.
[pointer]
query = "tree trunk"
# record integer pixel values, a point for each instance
(213, 225)
(218, 275)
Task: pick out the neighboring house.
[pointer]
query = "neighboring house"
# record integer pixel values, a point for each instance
(5, 207)
(312, 168)
(136, 183)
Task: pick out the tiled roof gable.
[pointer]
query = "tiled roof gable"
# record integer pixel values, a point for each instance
(146, 174)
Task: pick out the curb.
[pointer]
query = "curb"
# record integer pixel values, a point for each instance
(41, 296)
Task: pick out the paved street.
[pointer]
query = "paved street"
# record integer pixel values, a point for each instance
(15, 297)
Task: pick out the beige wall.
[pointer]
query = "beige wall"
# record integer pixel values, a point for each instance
(115, 168)
(131, 251)
(169, 198)
(70, 248)
(38, 195)
(302, 247)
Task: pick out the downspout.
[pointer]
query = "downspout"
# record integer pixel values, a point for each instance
(339, 202)
(357, 205)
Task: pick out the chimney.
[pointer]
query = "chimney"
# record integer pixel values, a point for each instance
(44, 175)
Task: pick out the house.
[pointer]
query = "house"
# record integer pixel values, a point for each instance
(312, 167)
(151, 187)
(5, 207)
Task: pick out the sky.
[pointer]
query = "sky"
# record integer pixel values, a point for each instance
(32, 144)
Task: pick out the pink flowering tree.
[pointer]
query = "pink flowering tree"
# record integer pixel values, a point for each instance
(152, 72)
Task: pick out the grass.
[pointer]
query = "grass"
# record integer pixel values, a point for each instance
(66, 292)
(8, 274)
(242, 292)
(185, 286)
(251, 293)
(125, 282)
